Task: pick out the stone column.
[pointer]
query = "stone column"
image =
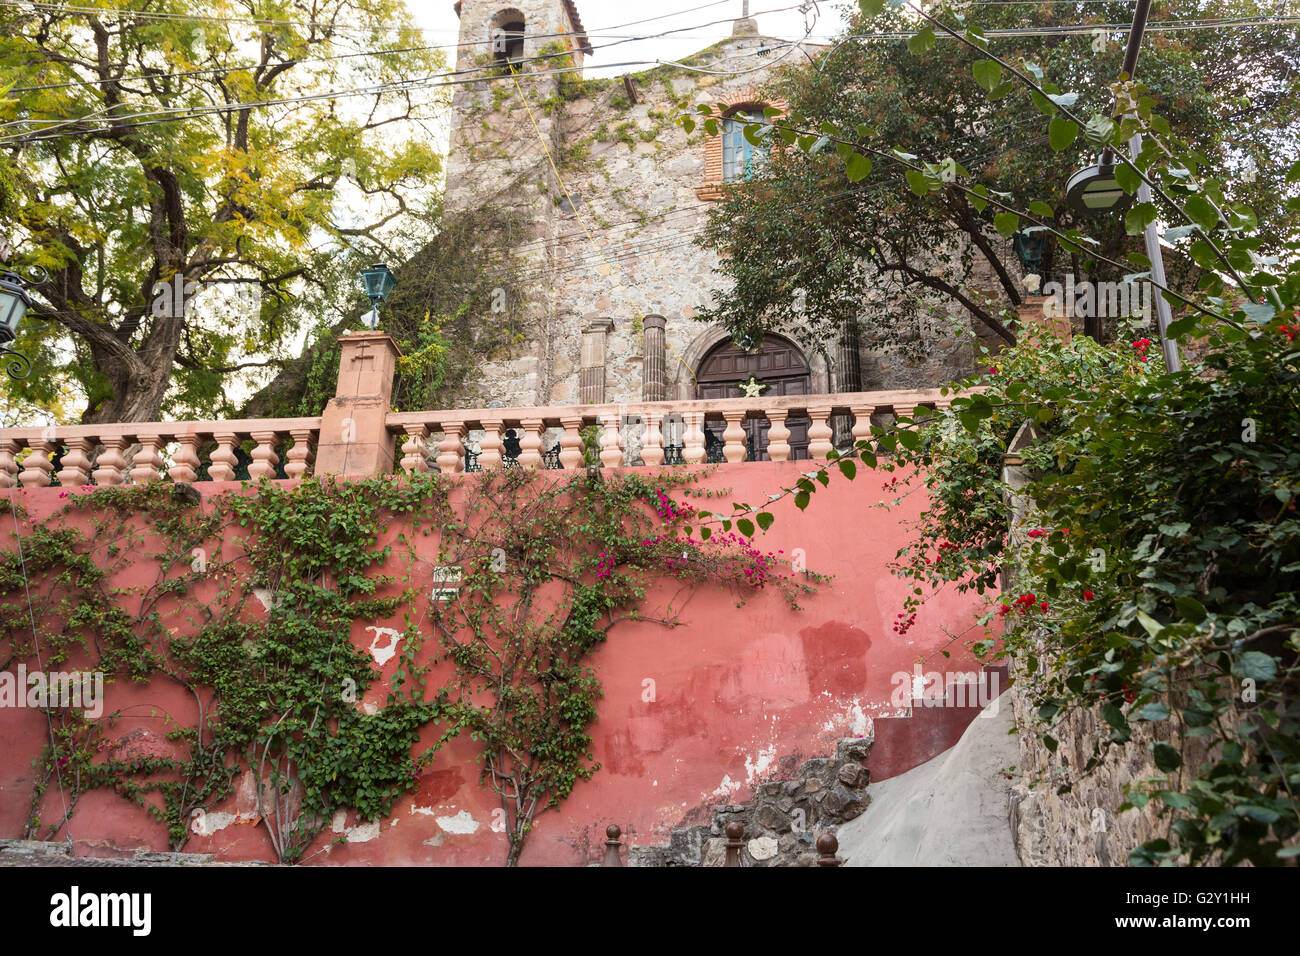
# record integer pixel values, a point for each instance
(591, 378)
(848, 359)
(654, 370)
(354, 437)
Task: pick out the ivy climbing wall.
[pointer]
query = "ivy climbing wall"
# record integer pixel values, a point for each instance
(473, 671)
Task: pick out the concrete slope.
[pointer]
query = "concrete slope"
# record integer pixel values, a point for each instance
(949, 811)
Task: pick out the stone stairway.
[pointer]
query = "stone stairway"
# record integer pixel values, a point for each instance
(784, 818)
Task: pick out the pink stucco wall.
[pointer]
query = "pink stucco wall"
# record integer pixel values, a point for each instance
(740, 695)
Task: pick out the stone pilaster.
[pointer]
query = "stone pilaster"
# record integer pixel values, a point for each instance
(591, 378)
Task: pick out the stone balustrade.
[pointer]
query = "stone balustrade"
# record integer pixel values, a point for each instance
(643, 433)
(358, 435)
(139, 453)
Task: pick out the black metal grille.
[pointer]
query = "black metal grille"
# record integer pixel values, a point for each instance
(550, 459)
(713, 446)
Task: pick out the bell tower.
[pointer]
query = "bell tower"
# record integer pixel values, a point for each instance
(508, 53)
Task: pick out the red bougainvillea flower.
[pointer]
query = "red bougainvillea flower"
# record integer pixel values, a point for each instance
(1289, 331)
(1038, 532)
(902, 627)
(1042, 605)
(1088, 595)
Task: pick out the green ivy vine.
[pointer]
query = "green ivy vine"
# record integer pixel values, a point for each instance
(545, 565)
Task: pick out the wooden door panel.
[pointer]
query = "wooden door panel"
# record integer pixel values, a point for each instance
(777, 364)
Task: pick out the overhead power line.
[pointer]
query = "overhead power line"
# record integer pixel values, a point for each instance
(451, 78)
(76, 9)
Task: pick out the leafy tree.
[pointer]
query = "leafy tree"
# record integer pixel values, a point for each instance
(163, 158)
(815, 243)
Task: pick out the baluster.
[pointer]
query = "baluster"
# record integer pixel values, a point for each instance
(778, 435)
(110, 463)
(571, 443)
(904, 411)
(300, 455)
(530, 444)
(76, 463)
(611, 446)
(693, 438)
(735, 842)
(451, 450)
(819, 433)
(733, 437)
(185, 463)
(489, 456)
(37, 467)
(414, 453)
(222, 465)
(612, 845)
(146, 463)
(264, 457)
(8, 466)
(862, 422)
(652, 445)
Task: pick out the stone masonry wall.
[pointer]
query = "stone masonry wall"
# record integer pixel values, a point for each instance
(1062, 815)
(1083, 826)
(782, 821)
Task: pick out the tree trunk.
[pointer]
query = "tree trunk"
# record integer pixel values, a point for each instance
(139, 379)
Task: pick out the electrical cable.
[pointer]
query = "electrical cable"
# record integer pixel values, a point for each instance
(375, 90)
(353, 55)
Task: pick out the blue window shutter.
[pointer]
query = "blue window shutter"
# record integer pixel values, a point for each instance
(740, 158)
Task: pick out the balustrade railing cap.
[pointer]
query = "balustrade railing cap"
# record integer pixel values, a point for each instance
(132, 430)
(844, 401)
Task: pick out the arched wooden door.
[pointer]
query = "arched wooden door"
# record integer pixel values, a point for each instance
(777, 363)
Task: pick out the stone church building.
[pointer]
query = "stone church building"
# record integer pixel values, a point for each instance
(612, 192)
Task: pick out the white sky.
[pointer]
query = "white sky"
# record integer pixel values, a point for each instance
(692, 19)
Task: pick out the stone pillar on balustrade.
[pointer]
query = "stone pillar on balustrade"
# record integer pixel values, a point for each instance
(354, 437)
(1042, 316)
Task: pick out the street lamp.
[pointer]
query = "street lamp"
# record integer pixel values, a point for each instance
(1094, 188)
(377, 282)
(1029, 250)
(14, 302)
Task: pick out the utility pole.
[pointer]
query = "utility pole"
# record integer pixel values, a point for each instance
(1152, 235)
